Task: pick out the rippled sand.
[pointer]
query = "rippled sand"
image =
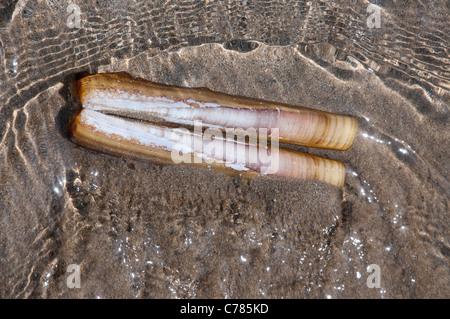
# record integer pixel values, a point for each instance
(143, 230)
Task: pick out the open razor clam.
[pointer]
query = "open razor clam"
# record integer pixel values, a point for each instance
(131, 117)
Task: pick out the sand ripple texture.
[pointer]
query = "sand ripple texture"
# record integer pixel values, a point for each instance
(148, 231)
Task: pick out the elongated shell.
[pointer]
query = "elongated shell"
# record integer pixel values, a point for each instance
(143, 140)
(121, 94)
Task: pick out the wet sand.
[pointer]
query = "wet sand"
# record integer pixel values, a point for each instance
(148, 231)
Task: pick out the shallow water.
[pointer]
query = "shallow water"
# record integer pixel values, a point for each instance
(142, 230)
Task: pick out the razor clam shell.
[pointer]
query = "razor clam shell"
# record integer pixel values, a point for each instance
(149, 141)
(120, 94)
